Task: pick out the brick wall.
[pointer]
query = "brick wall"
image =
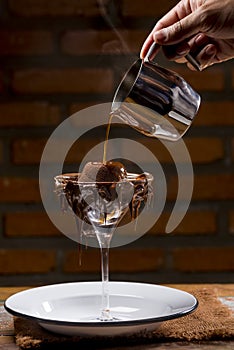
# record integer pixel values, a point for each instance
(57, 57)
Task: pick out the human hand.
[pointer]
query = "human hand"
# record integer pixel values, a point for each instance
(204, 28)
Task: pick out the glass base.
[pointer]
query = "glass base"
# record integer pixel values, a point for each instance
(109, 319)
(102, 318)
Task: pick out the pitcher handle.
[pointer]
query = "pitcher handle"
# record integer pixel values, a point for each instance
(155, 46)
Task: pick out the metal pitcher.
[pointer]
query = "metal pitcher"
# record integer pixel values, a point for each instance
(156, 101)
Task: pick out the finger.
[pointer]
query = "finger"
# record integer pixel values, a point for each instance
(198, 42)
(173, 52)
(173, 16)
(207, 56)
(180, 30)
(178, 12)
(181, 60)
(148, 46)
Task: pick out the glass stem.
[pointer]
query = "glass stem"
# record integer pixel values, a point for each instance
(105, 247)
(105, 313)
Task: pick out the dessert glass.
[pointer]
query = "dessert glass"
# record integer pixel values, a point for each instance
(101, 206)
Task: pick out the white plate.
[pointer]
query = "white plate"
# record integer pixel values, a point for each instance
(72, 308)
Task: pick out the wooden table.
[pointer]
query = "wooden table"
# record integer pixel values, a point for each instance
(225, 291)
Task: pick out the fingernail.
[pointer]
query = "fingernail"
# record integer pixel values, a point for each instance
(160, 36)
(182, 50)
(200, 40)
(210, 51)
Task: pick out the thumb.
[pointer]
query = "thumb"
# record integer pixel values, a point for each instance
(179, 31)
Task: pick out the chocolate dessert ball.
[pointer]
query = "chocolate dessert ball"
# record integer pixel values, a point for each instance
(100, 172)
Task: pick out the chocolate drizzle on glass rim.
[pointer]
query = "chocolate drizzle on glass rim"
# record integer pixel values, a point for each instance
(82, 196)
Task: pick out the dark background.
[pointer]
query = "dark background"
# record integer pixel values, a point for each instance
(57, 57)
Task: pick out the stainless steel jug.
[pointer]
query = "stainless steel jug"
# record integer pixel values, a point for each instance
(156, 101)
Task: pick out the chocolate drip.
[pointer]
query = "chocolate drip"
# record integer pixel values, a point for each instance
(140, 196)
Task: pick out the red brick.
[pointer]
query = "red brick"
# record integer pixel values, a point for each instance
(24, 261)
(189, 224)
(201, 149)
(211, 79)
(205, 150)
(217, 186)
(63, 81)
(21, 114)
(26, 43)
(29, 224)
(99, 42)
(136, 260)
(203, 259)
(121, 260)
(207, 187)
(29, 151)
(54, 7)
(16, 190)
(146, 8)
(216, 113)
(86, 123)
